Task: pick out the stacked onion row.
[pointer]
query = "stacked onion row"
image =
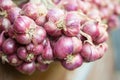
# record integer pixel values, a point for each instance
(32, 37)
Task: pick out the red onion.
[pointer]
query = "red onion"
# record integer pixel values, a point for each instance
(30, 10)
(11, 32)
(9, 46)
(52, 29)
(39, 35)
(27, 68)
(72, 24)
(113, 21)
(2, 38)
(13, 13)
(4, 24)
(22, 24)
(40, 20)
(91, 28)
(55, 14)
(89, 52)
(47, 51)
(42, 67)
(66, 46)
(6, 4)
(36, 49)
(14, 60)
(24, 55)
(23, 38)
(103, 35)
(70, 5)
(72, 62)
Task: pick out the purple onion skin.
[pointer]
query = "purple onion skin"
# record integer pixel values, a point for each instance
(42, 67)
(74, 63)
(35, 49)
(91, 28)
(113, 22)
(14, 60)
(52, 29)
(71, 5)
(6, 4)
(39, 35)
(22, 24)
(26, 56)
(67, 45)
(9, 46)
(63, 47)
(102, 37)
(47, 51)
(4, 24)
(30, 10)
(11, 32)
(40, 20)
(22, 53)
(2, 38)
(72, 24)
(77, 43)
(54, 14)
(23, 38)
(27, 68)
(13, 13)
(91, 53)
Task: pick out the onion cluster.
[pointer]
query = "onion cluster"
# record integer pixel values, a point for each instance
(34, 35)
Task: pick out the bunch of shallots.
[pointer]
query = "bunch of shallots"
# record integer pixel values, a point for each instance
(33, 35)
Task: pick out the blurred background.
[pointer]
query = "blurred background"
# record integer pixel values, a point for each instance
(115, 40)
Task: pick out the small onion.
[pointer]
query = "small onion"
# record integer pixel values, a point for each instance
(52, 29)
(42, 67)
(36, 49)
(14, 60)
(6, 4)
(22, 24)
(90, 53)
(24, 55)
(91, 28)
(72, 62)
(9, 46)
(23, 38)
(40, 20)
(102, 37)
(13, 13)
(47, 51)
(72, 24)
(27, 68)
(30, 10)
(39, 35)
(66, 46)
(70, 5)
(55, 14)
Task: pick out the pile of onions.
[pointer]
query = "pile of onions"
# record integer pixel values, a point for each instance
(34, 35)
